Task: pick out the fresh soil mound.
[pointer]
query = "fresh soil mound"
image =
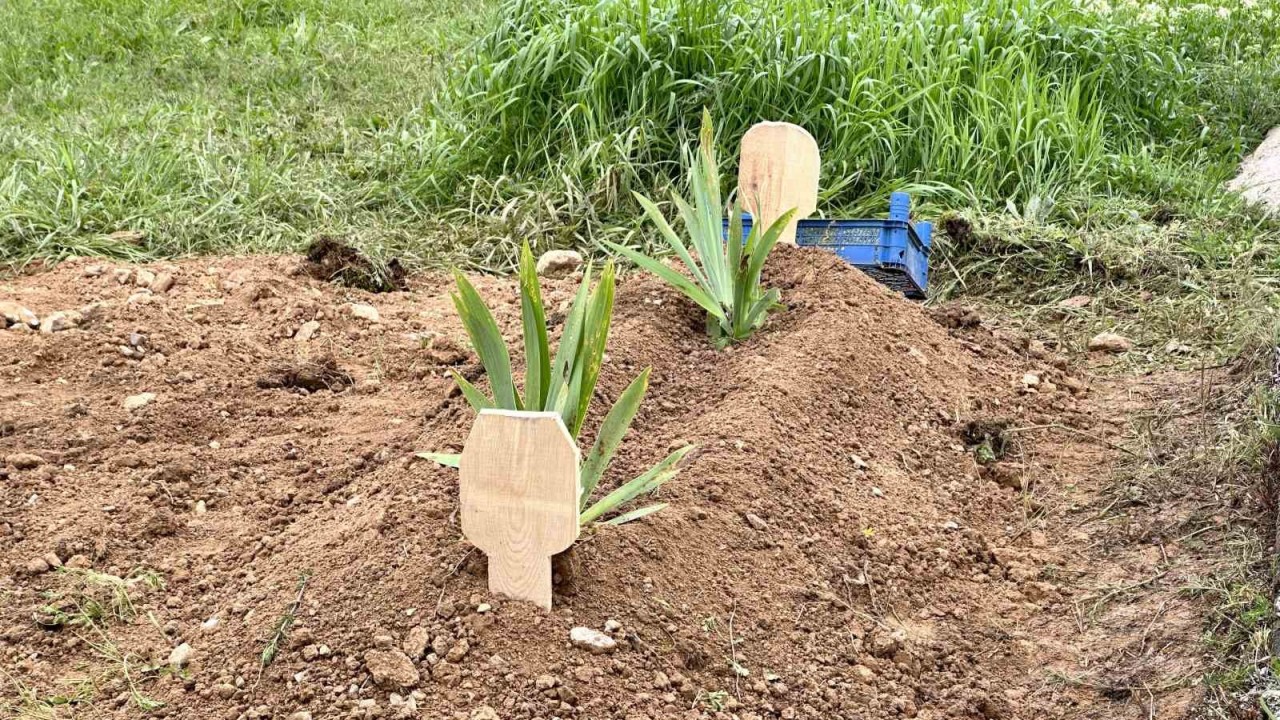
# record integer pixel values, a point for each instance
(833, 551)
(332, 260)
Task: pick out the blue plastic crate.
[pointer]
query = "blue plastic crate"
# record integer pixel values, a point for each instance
(894, 251)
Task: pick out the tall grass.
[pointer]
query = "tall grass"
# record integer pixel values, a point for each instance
(968, 100)
(448, 131)
(222, 126)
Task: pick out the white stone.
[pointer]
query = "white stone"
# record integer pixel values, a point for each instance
(558, 263)
(593, 640)
(1110, 342)
(139, 401)
(180, 656)
(363, 311)
(308, 330)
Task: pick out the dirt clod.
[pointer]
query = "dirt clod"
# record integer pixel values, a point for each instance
(1110, 342)
(332, 260)
(25, 461)
(391, 668)
(311, 375)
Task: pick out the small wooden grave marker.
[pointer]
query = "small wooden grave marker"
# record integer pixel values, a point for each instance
(519, 498)
(777, 171)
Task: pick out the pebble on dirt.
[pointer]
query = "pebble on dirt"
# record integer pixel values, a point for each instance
(25, 461)
(307, 331)
(15, 314)
(162, 282)
(558, 263)
(484, 712)
(58, 321)
(416, 642)
(1110, 342)
(391, 668)
(756, 522)
(139, 401)
(180, 656)
(593, 640)
(363, 311)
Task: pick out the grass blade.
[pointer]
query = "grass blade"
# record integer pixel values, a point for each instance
(647, 482)
(477, 399)
(446, 459)
(635, 514)
(595, 336)
(487, 340)
(537, 372)
(563, 368)
(680, 282)
(612, 430)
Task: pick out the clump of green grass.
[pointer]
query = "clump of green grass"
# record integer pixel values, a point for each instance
(726, 274)
(971, 101)
(564, 384)
(1189, 283)
(283, 624)
(216, 127)
(91, 599)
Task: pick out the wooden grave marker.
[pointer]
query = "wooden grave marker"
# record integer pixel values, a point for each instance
(777, 171)
(519, 498)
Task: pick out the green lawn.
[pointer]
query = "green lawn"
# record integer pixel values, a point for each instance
(1087, 142)
(224, 126)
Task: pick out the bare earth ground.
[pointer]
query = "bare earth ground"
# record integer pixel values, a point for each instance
(892, 575)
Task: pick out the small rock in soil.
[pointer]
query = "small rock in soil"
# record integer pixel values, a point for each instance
(363, 311)
(37, 566)
(307, 331)
(545, 682)
(25, 461)
(180, 656)
(59, 321)
(15, 314)
(144, 278)
(1110, 342)
(484, 712)
(458, 651)
(416, 642)
(391, 668)
(593, 640)
(756, 522)
(139, 401)
(1077, 302)
(162, 282)
(558, 263)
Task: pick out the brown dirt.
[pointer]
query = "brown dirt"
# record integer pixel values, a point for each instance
(895, 576)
